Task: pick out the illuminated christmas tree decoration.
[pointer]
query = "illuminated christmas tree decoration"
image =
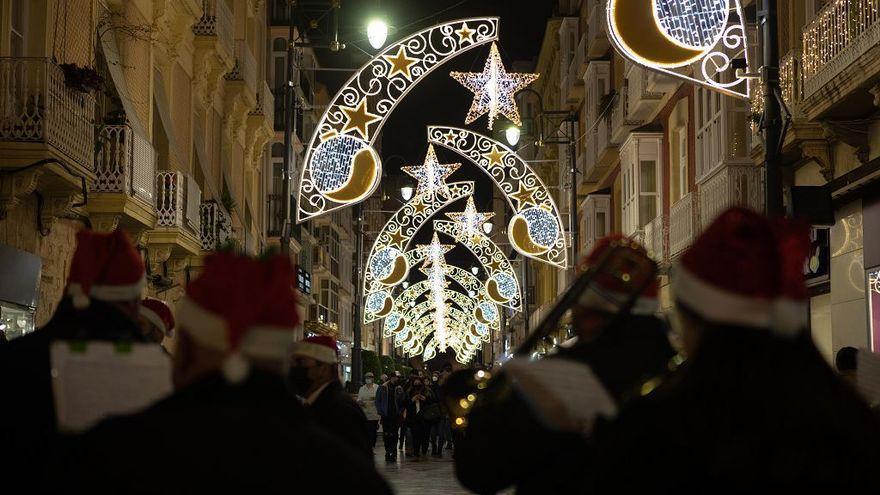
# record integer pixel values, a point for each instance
(531, 201)
(493, 260)
(363, 104)
(695, 40)
(470, 221)
(493, 89)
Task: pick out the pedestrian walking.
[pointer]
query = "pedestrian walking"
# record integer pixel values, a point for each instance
(418, 416)
(536, 433)
(314, 375)
(367, 401)
(100, 303)
(390, 402)
(755, 407)
(231, 426)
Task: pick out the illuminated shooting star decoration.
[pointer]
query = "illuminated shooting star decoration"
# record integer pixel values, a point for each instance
(493, 89)
(536, 229)
(341, 166)
(694, 40)
(502, 286)
(387, 263)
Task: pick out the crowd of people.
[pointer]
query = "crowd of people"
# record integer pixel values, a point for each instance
(117, 394)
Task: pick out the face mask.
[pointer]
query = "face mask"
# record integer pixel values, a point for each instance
(298, 379)
(434, 379)
(369, 381)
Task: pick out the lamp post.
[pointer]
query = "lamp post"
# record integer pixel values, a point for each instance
(289, 124)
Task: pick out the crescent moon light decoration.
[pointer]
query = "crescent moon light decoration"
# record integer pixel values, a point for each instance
(536, 229)
(502, 286)
(341, 166)
(695, 40)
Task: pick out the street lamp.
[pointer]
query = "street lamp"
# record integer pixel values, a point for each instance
(475, 270)
(512, 134)
(406, 192)
(405, 284)
(487, 227)
(377, 32)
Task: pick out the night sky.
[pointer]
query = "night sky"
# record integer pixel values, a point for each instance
(438, 99)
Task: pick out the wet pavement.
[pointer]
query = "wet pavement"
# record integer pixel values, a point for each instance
(425, 476)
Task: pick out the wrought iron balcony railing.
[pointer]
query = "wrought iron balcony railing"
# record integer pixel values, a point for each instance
(36, 106)
(216, 225)
(216, 21)
(245, 68)
(125, 162)
(178, 198)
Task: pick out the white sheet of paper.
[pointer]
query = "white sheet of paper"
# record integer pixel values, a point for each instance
(566, 394)
(101, 381)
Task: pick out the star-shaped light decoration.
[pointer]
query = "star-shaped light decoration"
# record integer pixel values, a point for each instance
(470, 221)
(359, 119)
(495, 157)
(434, 252)
(432, 175)
(400, 63)
(524, 195)
(465, 33)
(494, 89)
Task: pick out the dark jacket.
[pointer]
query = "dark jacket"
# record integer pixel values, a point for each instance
(336, 412)
(27, 421)
(749, 413)
(213, 437)
(390, 404)
(526, 453)
(414, 417)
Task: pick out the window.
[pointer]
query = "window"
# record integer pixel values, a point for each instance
(648, 193)
(640, 191)
(17, 28)
(682, 175)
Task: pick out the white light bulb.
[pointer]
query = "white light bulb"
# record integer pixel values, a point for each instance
(512, 134)
(377, 32)
(406, 192)
(487, 227)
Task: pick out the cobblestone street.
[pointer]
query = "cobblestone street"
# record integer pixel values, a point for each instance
(423, 477)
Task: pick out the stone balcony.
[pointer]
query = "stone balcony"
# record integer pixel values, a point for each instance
(124, 187)
(214, 48)
(260, 125)
(42, 119)
(841, 54)
(597, 43)
(240, 90)
(642, 103)
(177, 234)
(622, 121)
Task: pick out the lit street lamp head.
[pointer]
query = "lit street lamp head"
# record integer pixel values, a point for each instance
(377, 33)
(512, 134)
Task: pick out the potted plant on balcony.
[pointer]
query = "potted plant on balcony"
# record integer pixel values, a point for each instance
(82, 79)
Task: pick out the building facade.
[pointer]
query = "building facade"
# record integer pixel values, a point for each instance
(658, 158)
(150, 116)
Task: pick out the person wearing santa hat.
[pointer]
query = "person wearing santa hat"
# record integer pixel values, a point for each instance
(755, 407)
(156, 319)
(314, 376)
(231, 426)
(620, 350)
(100, 302)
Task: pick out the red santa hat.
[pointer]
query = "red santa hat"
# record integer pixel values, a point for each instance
(321, 348)
(747, 270)
(605, 289)
(105, 266)
(159, 314)
(241, 307)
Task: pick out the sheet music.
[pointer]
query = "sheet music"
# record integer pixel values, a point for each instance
(566, 394)
(98, 381)
(868, 376)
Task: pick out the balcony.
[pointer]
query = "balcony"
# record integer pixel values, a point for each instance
(125, 172)
(606, 148)
(573, 81)
(241, 89)
(684, 223)
(597, 43)
(245, 68)
(654, 240)
(621, 122)
(260, 125)
(216, 225)
(730, 185)
(214, 48)
(42, 118)
(581, 59)
(791, 82)
(178, 203)
(641, 103)
(836, 51)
